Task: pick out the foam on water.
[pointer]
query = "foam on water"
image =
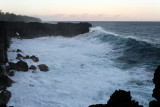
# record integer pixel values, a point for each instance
(82, 72)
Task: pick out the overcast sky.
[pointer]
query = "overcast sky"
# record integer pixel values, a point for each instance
(85, 10)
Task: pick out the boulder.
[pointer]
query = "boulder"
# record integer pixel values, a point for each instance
(5, 96)
(43, 67)
(119, 98)
(32, 67)
(34, 58)
(19, 66)
(18, 50)
(19, 56)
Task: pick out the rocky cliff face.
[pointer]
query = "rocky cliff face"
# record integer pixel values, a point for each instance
(34, 29)
(156, 90)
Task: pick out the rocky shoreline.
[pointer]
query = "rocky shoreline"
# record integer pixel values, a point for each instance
(31, 30)
(119, 98)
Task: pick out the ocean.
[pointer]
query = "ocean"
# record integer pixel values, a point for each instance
(88, 68)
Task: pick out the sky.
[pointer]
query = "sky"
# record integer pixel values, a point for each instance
(85, 10)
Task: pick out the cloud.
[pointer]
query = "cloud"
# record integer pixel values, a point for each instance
(79, 17)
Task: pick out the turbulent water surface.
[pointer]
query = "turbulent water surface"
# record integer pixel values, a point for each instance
(88, 68)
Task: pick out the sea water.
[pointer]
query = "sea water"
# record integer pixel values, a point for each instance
(88, 68)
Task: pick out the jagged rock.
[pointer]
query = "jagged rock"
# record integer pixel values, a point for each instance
(122, 99)
(19, 66)
(43, 67)
(34, 58)
(5, 96)
(19, 56)
(156, 90)
(32, 67)
(119, 98)
(11, 73)
(26, 57)
(18, 50)
(156, 81)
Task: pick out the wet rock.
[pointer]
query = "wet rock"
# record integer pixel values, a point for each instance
(34, 58)
(19, 66)
(156, 90)
(122, 99)
(19, 56)
(5, 81)
(18, 50)
(119, 98)
(5, 97)
(43, 67)
(26, 57)
(11, 73)
(32, 67)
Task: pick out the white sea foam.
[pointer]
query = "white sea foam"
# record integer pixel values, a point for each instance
(82, 73)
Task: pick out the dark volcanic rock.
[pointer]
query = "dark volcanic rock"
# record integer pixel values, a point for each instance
(34, 58)
(122, 99)
(5, 97)
(4, 44)
(19, 66)
(119, 98)
(18, 50)
(34, 29)
(19, 56)
(156, 90)
(11, 73)
(5, 81)
(26, 57)
(43, 67)
(32, 67)
(156, 81)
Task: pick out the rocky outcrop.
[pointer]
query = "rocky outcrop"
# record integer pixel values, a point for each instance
(4, 97)
(19, 66)
(34, 29)
(4, 44)
(32, 67)
(43, 67)
(119, 98)
(156, 90)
